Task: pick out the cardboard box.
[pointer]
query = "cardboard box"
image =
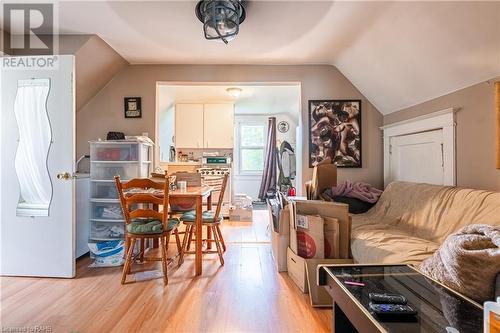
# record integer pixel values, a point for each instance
(281, 239)
(303, 273)
(296, 270)
(318, 296)
(324, 177)
(324, 209)
(240, 214)
(331, 232)
(310, 236)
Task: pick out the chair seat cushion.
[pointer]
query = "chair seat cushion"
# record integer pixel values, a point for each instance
(206, 216)
(150, 226)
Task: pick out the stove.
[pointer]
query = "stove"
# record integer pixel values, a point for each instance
(210, 171)
(212, 174)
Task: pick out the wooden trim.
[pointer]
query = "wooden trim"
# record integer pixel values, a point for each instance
(422, 117)
(497, 104)
(445, 120)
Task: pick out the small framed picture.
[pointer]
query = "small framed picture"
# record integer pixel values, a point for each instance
(133, 107)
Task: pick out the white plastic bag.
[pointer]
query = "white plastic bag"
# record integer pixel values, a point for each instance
(107, 254)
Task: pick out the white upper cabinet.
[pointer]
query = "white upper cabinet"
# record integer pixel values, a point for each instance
(189, 125)
(204, 125)
(218, 120)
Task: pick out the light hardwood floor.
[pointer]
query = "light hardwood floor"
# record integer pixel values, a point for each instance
(246, 295)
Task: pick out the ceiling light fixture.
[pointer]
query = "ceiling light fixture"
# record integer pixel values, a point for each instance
(221, 18)
(234, 92)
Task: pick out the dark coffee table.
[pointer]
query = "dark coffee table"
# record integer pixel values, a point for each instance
(439, 308)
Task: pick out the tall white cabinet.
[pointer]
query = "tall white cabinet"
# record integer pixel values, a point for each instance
(189, 125)
(128, 159)
(218, 125)
(204, 125)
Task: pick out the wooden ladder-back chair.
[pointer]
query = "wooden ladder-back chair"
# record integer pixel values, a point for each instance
(143, 220)
(212, 221)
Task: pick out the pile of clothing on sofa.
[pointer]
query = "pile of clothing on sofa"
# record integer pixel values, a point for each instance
(359, 196)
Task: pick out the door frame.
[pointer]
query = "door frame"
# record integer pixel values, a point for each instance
(444, 120)
(301, 139)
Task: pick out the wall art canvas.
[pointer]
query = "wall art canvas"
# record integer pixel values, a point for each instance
(335, 132)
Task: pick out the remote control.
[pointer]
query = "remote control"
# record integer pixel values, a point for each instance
(392, 310)
(387, 298)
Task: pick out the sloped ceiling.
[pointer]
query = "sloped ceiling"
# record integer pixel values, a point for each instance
(396, 53)
(96, 63)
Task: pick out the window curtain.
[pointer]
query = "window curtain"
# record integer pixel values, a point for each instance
(34, 141)
(268, 182)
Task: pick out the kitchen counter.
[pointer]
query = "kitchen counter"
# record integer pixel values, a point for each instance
(183, 163)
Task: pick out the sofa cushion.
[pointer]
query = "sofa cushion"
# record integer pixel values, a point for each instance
(431, 212)
(378, 243)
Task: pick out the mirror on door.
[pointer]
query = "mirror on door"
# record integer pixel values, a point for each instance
(34, 141)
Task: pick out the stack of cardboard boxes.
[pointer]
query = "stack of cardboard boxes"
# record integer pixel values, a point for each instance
(310, 233)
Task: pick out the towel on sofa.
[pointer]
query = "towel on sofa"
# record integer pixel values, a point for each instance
(358, 190)
(468, 261)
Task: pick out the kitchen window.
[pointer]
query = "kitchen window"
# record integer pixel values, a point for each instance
(251, 144)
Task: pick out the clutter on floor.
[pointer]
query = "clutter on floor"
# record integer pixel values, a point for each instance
(359, 190)
(324, 177)
(242, 209)
(359, 196)
(107, 254)
(306, 233)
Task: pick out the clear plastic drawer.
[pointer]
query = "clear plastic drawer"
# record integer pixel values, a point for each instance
(103, 190)
(107, 230)
(106, 211)
(114, 152)
(107, 171)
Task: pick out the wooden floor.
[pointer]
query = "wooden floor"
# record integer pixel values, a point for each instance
(245, 295)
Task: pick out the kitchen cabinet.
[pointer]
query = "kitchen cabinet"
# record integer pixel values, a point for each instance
(218, 125)
(204, 125)
(189, 125)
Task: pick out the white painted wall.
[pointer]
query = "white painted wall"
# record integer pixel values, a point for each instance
(166, 118)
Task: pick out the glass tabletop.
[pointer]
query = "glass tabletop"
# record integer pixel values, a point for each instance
(439, 309)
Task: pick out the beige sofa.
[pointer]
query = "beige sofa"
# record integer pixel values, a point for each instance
(411, 220)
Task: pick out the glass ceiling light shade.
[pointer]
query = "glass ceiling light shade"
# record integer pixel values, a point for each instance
(221, 18)
(234, 92)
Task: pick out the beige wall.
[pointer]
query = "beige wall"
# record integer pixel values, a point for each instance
(105, 111)
(475, 132)
(96, 63)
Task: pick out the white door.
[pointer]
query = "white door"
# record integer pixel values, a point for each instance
(417, 158)
(188, 126)
(218, 126)
(37, 219)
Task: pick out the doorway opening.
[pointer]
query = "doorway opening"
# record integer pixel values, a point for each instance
(186, 132)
